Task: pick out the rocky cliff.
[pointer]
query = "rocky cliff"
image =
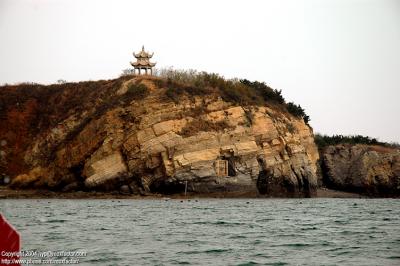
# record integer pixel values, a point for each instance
(367, 169)
(129, 134)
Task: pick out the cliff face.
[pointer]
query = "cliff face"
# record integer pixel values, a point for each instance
(111, 138)
(368, 169)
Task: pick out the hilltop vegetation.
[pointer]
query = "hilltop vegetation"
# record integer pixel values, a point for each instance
(323, 141)
(239, 91)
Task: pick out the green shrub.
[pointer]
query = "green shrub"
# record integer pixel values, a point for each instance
(137, 91)
(266, 92)
(291, 128)
(323, 140)
(196, 90)
(176, 89)
(298, 111)
(174, 93)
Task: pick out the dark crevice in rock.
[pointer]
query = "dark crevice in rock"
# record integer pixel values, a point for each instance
(231, 167)
(263, 182)
(231, 164)
(326, 180)
(306, 187)
(289, 186)
(77, 172)
(167, 187)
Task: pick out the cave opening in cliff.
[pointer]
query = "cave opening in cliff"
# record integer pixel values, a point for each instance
(164, 187)
(77, 171)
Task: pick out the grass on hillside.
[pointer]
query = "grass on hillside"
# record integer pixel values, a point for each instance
(239, 91)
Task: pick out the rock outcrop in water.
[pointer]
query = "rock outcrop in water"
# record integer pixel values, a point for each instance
(367, 169)
(128, 133)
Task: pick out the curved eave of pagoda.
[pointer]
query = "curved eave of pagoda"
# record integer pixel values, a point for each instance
(143, 55)
(143, 64)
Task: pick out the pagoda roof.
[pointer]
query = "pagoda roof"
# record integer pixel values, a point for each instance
(143, 54)
(143, 63)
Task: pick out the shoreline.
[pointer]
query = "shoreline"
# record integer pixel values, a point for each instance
(7, 193)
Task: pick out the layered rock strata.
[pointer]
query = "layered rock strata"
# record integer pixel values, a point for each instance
(156, 145)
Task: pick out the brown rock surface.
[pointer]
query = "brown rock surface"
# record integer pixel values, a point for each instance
(368, 169)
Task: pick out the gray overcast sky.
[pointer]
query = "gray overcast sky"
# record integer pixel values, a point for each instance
(339, 59)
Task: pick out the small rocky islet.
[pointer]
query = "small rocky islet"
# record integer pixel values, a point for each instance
(144, 135)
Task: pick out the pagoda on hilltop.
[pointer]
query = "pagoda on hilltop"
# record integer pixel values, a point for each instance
(143, 62)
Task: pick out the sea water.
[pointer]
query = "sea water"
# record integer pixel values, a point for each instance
(211, 231)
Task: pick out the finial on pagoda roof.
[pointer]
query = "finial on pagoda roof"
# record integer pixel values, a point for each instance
(143, 61)
(143, 54)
